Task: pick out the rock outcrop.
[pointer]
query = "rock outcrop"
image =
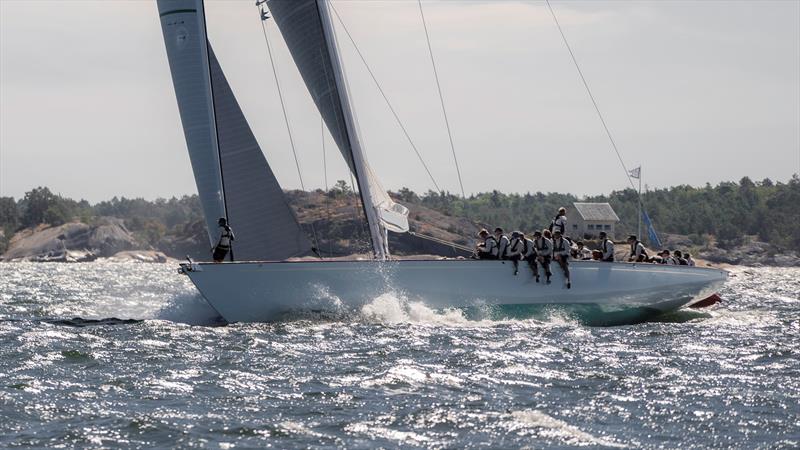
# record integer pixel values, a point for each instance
(71, 242)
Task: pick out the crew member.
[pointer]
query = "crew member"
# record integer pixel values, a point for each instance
(638, 253)
(559, 222)
(679, 258)
(581, 252)
(488, 248)
(689, 260)
(225, 242)
(515, 249)
(502, 243)
(544, 252)
(561, 254)
(606, 247)
(529, 254)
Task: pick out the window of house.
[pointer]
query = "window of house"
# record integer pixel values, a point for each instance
(574, 226)
(607, 227)
(590, 226)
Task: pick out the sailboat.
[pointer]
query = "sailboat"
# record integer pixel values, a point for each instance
(268, 279)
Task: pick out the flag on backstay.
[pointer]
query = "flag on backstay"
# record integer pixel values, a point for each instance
(636, 173)
(651, 232)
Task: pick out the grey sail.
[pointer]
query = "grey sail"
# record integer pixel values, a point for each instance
(301, 27)
(183, 27)
(265, 225)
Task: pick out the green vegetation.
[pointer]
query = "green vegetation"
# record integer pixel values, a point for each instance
(728, 211)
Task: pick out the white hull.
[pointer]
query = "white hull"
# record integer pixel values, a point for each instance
(263, 291)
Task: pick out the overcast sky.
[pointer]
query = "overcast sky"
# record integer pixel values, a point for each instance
(694, 91)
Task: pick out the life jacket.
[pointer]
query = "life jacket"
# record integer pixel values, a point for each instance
(540, 247)
(633, 249)
(486, 244)
(501, 252)
(560, 225)
(225, 238)
(560, 247)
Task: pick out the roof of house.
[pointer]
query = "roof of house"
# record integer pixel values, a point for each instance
(596, 211)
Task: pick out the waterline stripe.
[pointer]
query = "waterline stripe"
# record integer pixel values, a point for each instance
(177, 11)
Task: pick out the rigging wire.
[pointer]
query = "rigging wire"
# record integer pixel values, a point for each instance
(591, 96)
(264, 16)
(386, 99)
(325, 177)
(441, 100)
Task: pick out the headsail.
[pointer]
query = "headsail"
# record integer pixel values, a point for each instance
(266, 227)
(222, 147)
(309, 33)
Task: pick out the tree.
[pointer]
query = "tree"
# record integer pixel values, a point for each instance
(35, 205)
(9, 214)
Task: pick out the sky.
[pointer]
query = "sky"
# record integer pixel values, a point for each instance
(693, 91)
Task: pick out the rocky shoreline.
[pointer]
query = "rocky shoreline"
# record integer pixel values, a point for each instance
(107, 238)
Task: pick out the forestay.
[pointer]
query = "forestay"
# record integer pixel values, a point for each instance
(230, 169)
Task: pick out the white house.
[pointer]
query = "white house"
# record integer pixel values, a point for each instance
(587, 220)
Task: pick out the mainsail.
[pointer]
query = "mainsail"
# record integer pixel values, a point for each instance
(309, 34)
(233, 177)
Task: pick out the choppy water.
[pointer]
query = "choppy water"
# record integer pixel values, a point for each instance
(393, 374)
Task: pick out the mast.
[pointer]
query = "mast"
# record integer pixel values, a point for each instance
(377, 233)
(213, 112)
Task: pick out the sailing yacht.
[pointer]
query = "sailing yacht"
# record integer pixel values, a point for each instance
(235, 181)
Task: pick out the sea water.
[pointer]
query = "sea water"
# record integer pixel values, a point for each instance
(129, 355)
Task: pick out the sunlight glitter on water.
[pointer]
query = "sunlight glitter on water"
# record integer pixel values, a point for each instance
(392, 373)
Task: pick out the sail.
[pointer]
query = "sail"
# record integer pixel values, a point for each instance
(265, 225)
(231, 172)
(310, 36)
(300, 25)
(183, 26)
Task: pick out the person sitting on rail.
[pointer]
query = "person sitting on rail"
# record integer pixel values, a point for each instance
(529, 254)
(597, 255)
(679, 258)
(488, 248)
(638, 253)
(581, 252)
(559, 222)
(606, 247)
(544, 251)
(515, 249)
(666, 258)
(502, 243)
(689, 260)
(561, 254)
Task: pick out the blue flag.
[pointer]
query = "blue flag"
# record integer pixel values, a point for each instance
(651, 232)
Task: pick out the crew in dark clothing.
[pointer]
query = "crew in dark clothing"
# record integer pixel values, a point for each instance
(225, 242)
(515, 249)
(561, 254)
(544, 252)
(488, 248)
(679, 258)
(502, 243)
(606, 247)
(638, 253)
